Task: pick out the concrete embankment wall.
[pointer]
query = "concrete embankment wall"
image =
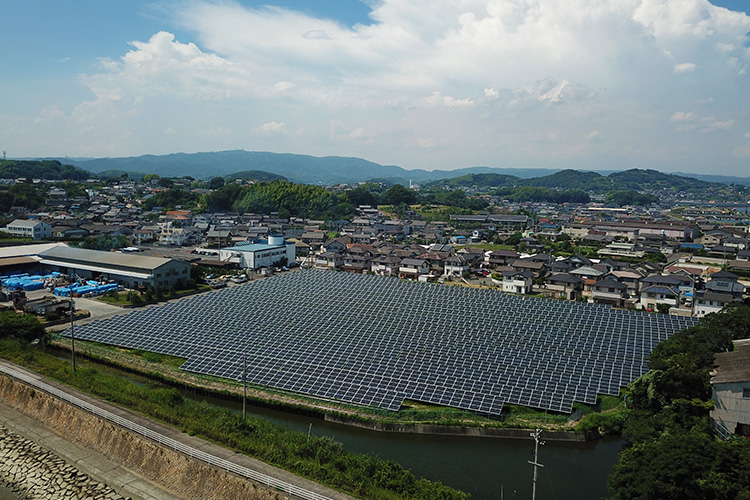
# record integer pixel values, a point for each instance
(186, 477)
(30, 471)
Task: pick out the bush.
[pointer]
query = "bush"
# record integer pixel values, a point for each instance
(606, 423)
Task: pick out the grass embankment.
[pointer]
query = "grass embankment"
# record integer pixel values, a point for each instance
(320, 459)
(124, 298)
(166, 369)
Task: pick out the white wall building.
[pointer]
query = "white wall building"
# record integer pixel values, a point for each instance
(29, 228)
(257, 255)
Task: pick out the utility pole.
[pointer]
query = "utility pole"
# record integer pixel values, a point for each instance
(536, 435)
(244, 389)
(72, 333)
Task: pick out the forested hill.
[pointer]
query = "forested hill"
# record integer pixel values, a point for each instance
(343, 170)
(41, 169)
(306, 169)
(635, 180)
(256, 175)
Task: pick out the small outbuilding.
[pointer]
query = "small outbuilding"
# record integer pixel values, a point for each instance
(731, 390)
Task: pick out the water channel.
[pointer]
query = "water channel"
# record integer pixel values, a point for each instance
(488, 468)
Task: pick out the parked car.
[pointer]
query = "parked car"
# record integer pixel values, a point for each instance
(217, 284)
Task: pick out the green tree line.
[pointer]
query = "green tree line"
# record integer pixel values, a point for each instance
(673, 453)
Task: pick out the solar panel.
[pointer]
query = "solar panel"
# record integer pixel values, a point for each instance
(377, 341)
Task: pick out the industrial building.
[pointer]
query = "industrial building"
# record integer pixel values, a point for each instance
(126, 268)
(266, 253)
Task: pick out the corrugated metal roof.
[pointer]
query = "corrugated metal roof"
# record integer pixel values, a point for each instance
(733, 366)
(20, 250)
(17, 261)
(96, 257)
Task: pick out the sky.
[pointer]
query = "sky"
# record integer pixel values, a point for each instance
(432, 84)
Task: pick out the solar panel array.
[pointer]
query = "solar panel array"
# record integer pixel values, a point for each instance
(376, 341)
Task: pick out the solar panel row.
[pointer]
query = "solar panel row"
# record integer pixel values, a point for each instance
(377, 341)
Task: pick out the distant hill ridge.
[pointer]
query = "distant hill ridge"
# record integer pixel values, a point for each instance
(337, 169)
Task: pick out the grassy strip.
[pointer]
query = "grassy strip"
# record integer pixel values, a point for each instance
(320, 459)
(123, 298)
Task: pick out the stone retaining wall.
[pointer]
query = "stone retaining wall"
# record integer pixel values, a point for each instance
(33, 472)
(186, 477)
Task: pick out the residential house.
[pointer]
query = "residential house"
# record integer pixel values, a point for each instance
(336, 245)
(500, 258)
(631, 278)
(609, 291)
(330, 260)
(29, 228)
(652, 296)
(563, 285)
(385, 265)
(413, 268)
(313, 238)
(357, 260)
(171, 235)
(707, 302)
(520, 282)
(219, 237)
(455, 266)
(536, 267)
(726, 282)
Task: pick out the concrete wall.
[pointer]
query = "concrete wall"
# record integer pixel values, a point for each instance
(731, 407)
(187, 477)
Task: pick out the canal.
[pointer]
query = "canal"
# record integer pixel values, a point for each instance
(488, 468)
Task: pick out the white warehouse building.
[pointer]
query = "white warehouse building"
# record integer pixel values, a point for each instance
(267, 253)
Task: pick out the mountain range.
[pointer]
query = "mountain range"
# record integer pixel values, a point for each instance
(327, 170)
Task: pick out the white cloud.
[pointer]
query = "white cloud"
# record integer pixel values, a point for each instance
(488, 81)
(49, 114)
(684, 67)
(595, 136)
(436, 99)
(682, 116)
(271, 128)
(710, 124)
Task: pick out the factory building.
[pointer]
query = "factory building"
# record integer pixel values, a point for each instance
(126, 268)
(266, 253)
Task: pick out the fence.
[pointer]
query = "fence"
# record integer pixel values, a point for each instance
(164, 440)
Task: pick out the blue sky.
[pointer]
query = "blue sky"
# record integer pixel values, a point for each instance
(428, 84)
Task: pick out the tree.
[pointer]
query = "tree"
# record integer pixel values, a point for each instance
(682, 466)
(361, 196)
(514, 239)
(21, 326)
(216, 183)
(398, 194)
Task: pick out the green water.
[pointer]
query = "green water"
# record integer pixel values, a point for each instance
(485, 467)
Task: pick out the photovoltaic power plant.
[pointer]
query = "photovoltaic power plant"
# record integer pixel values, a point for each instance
(377, 341)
